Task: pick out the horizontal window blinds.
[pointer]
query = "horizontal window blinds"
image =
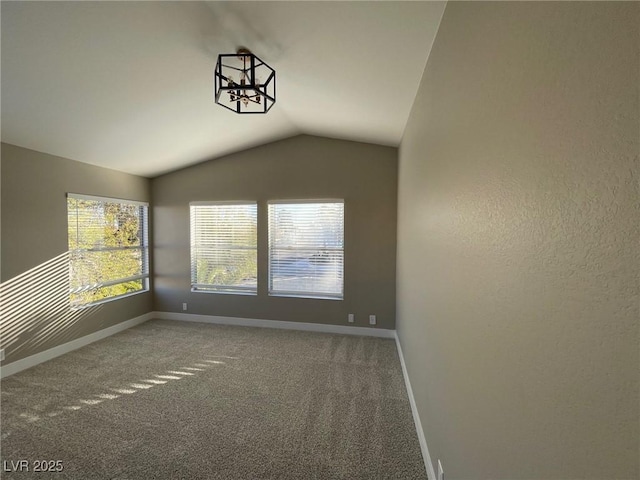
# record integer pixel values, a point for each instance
(108, 248)
(306, 249)
(224, 247)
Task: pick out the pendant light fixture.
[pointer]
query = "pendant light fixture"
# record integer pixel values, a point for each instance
(243, 83)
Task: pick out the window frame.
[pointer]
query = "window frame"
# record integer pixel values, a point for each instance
(144, 228)
(305, 295)
(220, 289)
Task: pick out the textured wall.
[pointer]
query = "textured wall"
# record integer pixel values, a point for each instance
(35, 272)
(518, 241)
(297, 168)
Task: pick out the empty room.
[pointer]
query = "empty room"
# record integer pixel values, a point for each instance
(331, 240)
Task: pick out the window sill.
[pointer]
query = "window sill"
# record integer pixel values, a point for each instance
(224, 292)
(107, 300)
(309, 297)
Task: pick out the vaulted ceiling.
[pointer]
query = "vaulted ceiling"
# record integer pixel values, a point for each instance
(129, 85)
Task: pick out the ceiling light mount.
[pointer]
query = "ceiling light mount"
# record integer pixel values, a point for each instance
(243, 83)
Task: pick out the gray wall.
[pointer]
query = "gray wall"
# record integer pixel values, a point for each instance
(518, 241)
(35, 289)
(297, 168)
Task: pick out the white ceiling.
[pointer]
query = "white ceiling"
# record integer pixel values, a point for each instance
(128, 85)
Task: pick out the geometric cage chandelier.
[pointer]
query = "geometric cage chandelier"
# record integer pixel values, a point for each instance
(243, 83)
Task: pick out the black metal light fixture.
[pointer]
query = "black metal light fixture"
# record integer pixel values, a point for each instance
(243, 83)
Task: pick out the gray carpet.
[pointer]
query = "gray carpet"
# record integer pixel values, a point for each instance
(178, 400)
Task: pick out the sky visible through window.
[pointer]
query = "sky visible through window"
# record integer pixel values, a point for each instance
(306, 249)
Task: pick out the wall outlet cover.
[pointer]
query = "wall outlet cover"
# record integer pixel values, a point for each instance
(372, 319)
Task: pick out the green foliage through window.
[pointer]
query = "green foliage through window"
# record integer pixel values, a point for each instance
(223, 247)
(108, 248)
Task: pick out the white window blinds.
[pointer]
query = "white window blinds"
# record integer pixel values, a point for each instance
(306, 248)
(223, 247)
(108, 248)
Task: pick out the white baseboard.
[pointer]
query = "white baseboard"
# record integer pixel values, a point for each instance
(416, 416)
(31, 361)
(254, 322)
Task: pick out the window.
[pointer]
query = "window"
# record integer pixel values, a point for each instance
(108, 248)
(306, 248)
(223, 247)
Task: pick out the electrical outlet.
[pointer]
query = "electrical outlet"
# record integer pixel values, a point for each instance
(1, 354)
(372, 319)
(440, 471)
(184, 306)
(351, 318)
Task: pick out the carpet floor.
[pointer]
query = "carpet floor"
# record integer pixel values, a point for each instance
(181, 400)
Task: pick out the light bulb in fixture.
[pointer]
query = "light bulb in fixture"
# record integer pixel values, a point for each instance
(249, 94)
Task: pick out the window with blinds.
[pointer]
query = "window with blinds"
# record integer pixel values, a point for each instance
(306, 248)
(224, 247)
(108, 248)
